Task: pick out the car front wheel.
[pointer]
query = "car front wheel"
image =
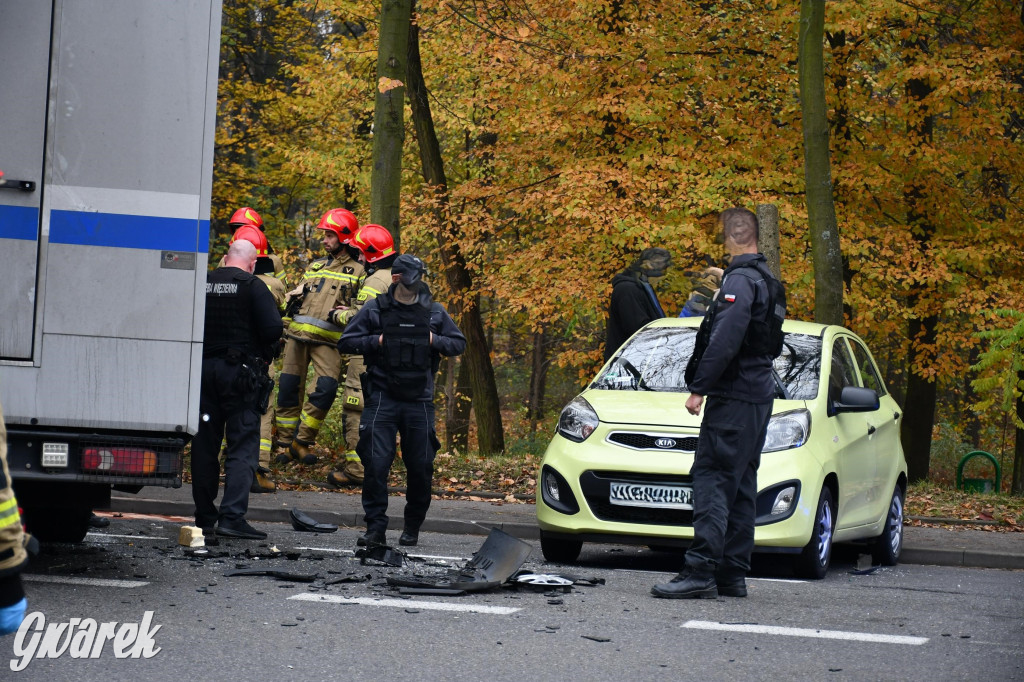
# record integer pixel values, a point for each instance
(889, 544)
(559, 550)
(814, 559)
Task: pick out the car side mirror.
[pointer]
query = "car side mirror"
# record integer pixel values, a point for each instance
(856, 399)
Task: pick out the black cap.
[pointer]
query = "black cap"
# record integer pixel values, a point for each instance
(410, 268)
(654, 262)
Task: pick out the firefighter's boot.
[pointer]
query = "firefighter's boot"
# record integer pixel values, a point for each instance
(300, 452)
(262, 483)
(349, 473)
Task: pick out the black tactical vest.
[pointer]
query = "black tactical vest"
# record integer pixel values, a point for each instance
(405, 354)
(228, 318)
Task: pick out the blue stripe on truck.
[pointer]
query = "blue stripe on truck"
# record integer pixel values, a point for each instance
(129, 231)
(19, 222)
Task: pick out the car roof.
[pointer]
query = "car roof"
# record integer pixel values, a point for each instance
(791, 326)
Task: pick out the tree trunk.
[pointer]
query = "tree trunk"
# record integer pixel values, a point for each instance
(477, 358)
(389, 116)
(1017, 479)
(538, 380)
(768, 236)
(919, 413)
(821, 211)
(459, 407)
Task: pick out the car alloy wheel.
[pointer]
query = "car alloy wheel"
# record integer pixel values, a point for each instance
(817, 553)
(889, 544)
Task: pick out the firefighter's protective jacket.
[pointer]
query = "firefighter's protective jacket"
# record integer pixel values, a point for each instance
(328, 283)
(13, 540)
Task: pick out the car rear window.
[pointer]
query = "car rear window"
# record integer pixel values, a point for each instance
(654, 360)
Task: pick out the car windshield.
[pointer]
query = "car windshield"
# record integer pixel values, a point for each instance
(655, 359)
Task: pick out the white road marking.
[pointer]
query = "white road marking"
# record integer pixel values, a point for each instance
(804, 632)
(405, 604)
(94, 536)
(71, 580)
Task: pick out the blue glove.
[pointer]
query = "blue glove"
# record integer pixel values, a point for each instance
(11, 616)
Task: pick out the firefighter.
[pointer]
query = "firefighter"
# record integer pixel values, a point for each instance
(249, 216)
(14, 546)
(377, 253)
(329, 284)
(262, 483)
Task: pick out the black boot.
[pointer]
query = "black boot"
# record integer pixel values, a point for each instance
(731, 584)
(688, 584)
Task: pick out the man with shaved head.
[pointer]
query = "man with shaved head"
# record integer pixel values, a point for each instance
(732, 365)
(242, 327)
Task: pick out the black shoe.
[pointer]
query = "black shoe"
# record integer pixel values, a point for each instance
(687, 585)
(409, 538)
(99, 521)
(210, 536)
(371, 538)
(239, 529)
(731, 584)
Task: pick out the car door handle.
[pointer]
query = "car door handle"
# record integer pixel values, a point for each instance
(871, 429)
(896, 416)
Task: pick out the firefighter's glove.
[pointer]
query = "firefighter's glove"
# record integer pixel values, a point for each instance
(339, 316)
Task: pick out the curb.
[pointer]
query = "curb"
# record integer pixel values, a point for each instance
(525, 531)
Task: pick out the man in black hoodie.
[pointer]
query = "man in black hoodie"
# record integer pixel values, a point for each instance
(401, 335)
(634, 302)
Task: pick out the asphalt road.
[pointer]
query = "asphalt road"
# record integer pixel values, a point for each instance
(901, 623)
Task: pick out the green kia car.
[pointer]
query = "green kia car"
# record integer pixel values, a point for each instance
(832, 468)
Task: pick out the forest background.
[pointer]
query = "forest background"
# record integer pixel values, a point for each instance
(576, 134)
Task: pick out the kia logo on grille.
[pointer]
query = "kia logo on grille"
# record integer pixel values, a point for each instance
(665, 442)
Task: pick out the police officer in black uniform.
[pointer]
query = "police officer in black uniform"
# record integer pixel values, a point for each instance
(243, 326)
(738, 340)
(401, 335)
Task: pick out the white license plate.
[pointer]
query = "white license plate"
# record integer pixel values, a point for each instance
(650, 495)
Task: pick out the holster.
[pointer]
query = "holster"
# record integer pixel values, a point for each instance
(367, 385)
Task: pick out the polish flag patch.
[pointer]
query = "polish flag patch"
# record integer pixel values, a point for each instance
(730, 298)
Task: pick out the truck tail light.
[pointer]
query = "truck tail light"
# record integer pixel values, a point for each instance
(119, 460)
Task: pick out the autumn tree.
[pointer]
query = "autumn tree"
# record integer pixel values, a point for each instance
(821, 213)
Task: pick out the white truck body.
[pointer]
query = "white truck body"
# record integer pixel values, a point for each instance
(106, 144)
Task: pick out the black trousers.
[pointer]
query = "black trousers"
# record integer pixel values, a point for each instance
(223, 413)
(383, 418)
(725, 485)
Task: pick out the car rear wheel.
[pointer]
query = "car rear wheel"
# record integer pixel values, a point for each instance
(888, 545)
(814, 559)
(559, 550)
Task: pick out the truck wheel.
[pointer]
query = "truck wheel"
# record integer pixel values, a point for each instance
(50, 524)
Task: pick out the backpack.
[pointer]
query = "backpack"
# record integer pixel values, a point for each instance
(764, 337)
(405, 354)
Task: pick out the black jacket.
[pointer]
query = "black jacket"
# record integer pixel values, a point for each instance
(631, 307)
(362, 337)
(241, 314)
(726, 370)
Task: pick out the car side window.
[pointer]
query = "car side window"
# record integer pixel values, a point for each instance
(842, 371)
(866, 368)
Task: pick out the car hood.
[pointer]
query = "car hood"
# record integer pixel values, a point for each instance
(641, 407)
(655, 408)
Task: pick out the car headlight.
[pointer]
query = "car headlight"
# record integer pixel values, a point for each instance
(578, 420)
(787, 431)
